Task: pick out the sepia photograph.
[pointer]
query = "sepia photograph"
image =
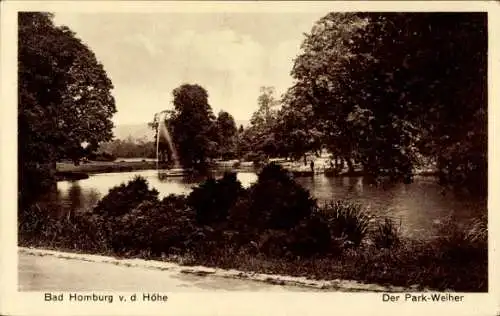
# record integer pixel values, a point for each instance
(315, 151)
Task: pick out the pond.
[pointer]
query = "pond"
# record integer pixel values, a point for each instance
(420, 207)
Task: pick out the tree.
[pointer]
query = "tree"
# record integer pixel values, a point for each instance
(227, 134)
(193, 126)
(388, 88)
(260, 139)
(297, 129)
(64, 99)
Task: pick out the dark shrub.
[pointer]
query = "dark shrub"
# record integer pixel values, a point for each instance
(212, 199)
(102, 156)
(258, 158)
(274, 243)
(278, 202)
(346, 220)
(386, 234)
(155, 227)
(311, 237)
(461, 245)
(72, 231)
(123, 198)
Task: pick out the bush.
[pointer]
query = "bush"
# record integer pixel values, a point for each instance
(42, 227)
(461, 245)
(154, 227)
(123, 198)
(386, 234)
(212, 199)
(102, 156)
(346, 220)
(258, 158)
(278, 202)
(312, 237)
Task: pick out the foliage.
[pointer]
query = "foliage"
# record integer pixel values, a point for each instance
(42, 226)
(129, 148)
(346, 220)
(101, 156)
(194, 129)
(460, 244)
(124, 198)
(155, 227)
(387, 87)
(296, 130)
(212, 199)
(227, 135)
(259, 139)
(64, 97)
(312, 237)
(278, 202)
(387, 234)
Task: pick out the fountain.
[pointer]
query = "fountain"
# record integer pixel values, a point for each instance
(162, 133)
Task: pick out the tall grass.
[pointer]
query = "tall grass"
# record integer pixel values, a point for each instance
(387, 234)
(346, 220)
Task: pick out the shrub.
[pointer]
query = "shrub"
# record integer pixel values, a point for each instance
(123, 198)
(42, 227)
(311, 237)
(461, 245)
(258, 158)
(102, 156)
(278, 202)
(346, 220)
(386, 234)
(212, 199)
(154, 227)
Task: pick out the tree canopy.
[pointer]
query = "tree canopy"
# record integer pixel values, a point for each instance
(260, 137)
(193, 124)
(390, 88)
(64, 96)
(227, 135)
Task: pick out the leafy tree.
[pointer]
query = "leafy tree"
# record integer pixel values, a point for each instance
(64, 99)
(129, 148)
(227, 135)
(260, 137)
(266, 113)
(387, 88)
(193, 126)
(297, 129)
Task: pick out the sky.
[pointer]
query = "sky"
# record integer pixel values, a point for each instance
(231, 55)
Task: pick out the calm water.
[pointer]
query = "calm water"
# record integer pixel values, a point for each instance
(420, 207)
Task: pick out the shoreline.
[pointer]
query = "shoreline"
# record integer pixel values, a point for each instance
(69, 172)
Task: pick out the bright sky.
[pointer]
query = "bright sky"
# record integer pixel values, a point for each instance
(230, 54)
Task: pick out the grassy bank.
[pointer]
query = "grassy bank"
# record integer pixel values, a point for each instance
(69, 171)
(272, 227)
(105, 166)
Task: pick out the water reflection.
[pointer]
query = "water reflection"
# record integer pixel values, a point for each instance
(419, 206)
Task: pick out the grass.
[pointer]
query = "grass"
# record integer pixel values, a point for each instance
(106, 166)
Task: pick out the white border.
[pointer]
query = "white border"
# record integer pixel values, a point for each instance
(16, 303)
